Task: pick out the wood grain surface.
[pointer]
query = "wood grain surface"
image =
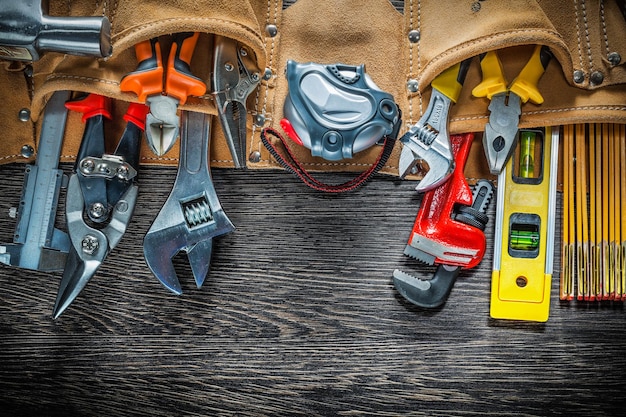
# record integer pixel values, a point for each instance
(298, 316)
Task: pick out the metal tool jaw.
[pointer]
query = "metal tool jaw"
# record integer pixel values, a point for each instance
(101, 195)
(499, 138)
(428, 141)
(448, 231)
(192, 215)
(90, 246)
(37, 244)
(235, 76)
(161, 123)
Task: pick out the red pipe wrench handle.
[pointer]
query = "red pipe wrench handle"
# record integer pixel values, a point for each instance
(436, 232)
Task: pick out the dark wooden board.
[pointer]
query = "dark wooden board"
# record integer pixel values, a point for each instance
(298, 316)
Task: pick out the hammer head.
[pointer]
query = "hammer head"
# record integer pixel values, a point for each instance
(26, 32)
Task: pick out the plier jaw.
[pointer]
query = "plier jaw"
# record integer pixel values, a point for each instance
(164, 89)
(500, 136)
(235, 76)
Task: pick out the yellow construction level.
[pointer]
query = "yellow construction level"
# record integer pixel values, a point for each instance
(525, 227)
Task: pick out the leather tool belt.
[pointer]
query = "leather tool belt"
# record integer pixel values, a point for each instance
(404, 45)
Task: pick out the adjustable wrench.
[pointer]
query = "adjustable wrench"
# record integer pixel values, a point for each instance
(192, 215)
(448, 231)
(37, 244)
(428, 140)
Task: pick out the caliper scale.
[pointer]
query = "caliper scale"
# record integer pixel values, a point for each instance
(37, 244)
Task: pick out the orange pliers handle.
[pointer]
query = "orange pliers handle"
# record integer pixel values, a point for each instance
(148, 78)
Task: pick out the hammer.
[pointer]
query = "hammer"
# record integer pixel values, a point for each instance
(26, 32)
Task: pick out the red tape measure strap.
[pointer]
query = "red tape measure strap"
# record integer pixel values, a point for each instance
(291, 164)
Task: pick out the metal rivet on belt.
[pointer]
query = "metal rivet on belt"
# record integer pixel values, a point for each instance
(259, 120)
(255, 157)
(579, 76)
(476, 7)
(414, 36)
(596, 77)
(267, 74)
(27, 151)
(24, 115)
(412, 85)
(614, 58)
(271, 30)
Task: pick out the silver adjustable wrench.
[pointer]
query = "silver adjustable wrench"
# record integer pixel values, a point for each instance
(192, 215)
(37, 244)
(429, 140)
(235, 76)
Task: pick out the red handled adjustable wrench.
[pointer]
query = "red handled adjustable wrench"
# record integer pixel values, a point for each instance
(448, 231)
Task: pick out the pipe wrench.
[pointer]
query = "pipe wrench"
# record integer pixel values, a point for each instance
(101, 194)
(37, 244)
(448, 231)
(428, 140)
(192, 215)
(500, 135)
(164, 89)
(235, 76)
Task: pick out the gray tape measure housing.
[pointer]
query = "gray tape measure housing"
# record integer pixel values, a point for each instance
(337, 110)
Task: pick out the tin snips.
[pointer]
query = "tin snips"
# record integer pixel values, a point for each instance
(101, 193)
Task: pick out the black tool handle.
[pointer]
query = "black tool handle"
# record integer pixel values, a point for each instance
(88, 36)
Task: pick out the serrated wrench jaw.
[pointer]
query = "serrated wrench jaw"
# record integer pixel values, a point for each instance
(428, 141)
(430, 293)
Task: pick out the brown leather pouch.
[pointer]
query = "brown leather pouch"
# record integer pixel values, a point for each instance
(585, 82)
(132, 22)
(585, 39)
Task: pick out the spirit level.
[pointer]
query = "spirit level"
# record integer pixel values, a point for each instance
(525, 222)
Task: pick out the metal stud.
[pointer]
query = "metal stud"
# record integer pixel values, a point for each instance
(259, 120)
(596, 78)
(271, 30)
(24, 115)
(27, 151)
(267, 74)
(476, 7)
(255, 157)
(579, 76)
(614, 58)
(414, 36)
(412, 85)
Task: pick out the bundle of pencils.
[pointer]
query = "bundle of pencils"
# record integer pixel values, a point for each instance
(594, 229)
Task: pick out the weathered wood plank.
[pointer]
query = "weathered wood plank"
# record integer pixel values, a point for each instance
(298, 317)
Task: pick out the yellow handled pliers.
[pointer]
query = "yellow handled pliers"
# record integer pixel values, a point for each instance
(500, 134)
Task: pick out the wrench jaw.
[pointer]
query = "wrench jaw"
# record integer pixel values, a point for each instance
(448, 232)
(430, 293)
(160, 246)
(192, 214)
(428, 141)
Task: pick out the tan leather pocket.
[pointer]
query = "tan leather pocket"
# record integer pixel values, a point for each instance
(135, 21)
(429, 37)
